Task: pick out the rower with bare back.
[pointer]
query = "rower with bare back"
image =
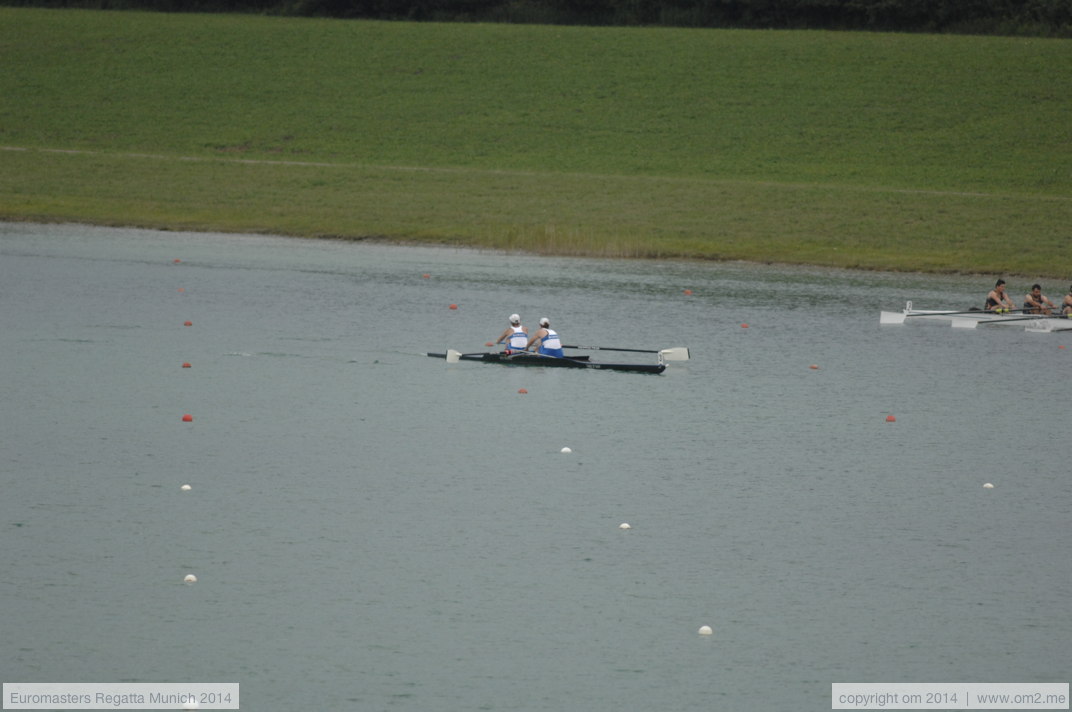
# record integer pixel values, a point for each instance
(998, 300)
(1035, 302)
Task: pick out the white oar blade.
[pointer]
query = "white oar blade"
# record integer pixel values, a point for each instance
(888, 317)
(678, 353)
(964, 323)
(453, 356)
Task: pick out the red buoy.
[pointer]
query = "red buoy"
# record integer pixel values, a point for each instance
(426, 276)
(187, 418)
(744, 326)
(187, 323)
(186, 364)
(891, 419)
(688, 292)
(814, 367)
(522, 390)
(453, 306)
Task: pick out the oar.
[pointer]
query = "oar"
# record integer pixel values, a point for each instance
(888, 317)
(678, 353)
(954, 313)
(973, 323)
(959, 313)
(453, 356)
(1025, 317)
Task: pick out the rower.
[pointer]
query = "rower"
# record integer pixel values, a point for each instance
(1066, 304)
(515, 335)
(997, 300)
(1035, 302)
(550, 344)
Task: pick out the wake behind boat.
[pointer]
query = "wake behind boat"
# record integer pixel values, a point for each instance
(534, 359)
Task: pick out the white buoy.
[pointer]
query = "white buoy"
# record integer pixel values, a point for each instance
(988, 486)
(186, 488)
(566, 450)
(190, 578)
(624, 525)
(705, 630)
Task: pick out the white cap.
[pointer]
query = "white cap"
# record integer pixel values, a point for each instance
(544, 321)
(515, 319)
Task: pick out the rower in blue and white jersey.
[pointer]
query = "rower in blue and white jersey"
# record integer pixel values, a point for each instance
(516, 336)
(550, 344)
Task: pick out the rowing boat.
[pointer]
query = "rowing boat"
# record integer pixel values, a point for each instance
(974, 318)
(530, 359)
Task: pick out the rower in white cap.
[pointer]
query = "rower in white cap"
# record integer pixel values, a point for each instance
(515, 335)
(550, 345)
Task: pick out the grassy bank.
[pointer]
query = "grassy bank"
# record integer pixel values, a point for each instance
(874, 151)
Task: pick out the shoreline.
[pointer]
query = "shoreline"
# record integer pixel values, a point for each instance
(459, 245)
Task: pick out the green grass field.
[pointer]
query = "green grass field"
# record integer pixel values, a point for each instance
(877, 151)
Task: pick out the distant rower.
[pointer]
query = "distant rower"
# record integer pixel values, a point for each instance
(998, 300)
(1035, 302)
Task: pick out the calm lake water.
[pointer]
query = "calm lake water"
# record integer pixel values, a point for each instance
(373, 529)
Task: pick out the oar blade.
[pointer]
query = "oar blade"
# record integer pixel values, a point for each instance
(888, 317)
(677, 353)
(964, 323)
(453, 356)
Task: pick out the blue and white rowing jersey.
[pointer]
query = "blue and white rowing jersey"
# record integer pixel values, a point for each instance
(518, 340)
(550, 345)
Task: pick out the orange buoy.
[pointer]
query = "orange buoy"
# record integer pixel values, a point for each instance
(891, 419)
(181, 289)
(744, 326)
(187, 418)
(426, 276)
(186, 364)
(177, 261)
(522, 390)
(453, 306)
(814, 367)
(688, 292)
(187, 323)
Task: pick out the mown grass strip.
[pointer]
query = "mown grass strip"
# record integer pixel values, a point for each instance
(875, 151)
